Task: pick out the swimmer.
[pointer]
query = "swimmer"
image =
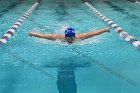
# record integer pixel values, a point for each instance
(69, 36)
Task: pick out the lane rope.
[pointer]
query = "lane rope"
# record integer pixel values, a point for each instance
(137, 2)
(124, 35)
(6, 37)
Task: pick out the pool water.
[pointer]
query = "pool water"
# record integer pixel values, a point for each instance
(101, 64)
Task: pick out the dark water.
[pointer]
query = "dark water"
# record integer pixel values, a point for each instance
(10, 7)
(66, 79)
(61, 11)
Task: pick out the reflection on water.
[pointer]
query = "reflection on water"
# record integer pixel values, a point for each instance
(66, 82)
(66, 79)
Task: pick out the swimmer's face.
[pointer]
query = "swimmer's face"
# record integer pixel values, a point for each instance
(70, 39)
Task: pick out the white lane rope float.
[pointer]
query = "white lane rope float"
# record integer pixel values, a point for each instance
(124, 35)
(13, 29)
(137, 2)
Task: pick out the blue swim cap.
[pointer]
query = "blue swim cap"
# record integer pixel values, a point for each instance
(69, 32)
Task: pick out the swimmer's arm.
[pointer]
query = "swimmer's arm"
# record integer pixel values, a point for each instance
(47, 36)
(91, 34)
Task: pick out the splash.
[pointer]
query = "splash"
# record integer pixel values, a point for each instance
(95, 40)
(63, 28)
(35, 29)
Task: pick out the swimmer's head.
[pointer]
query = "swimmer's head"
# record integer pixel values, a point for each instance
(69, 32)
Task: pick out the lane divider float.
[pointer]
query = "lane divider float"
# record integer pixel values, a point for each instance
(124, 35)
(137, 2)
(6, 37)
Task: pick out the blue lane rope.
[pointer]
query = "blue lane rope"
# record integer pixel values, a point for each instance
(124, 35)
(6, 37)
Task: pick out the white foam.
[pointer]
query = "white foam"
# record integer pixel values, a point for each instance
(88, 41)
(63, 28)
(35, 29)
(77, 42)
(46, 41)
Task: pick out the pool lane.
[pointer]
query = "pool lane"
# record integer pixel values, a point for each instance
(7, 9)
(132, 19)
(116, 8)
(63, 76)
(19, 22)
(121, 10)
(10, 7)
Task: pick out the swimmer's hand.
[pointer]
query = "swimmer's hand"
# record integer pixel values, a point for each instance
(107, 30)
(33, 34)
(30, 33)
